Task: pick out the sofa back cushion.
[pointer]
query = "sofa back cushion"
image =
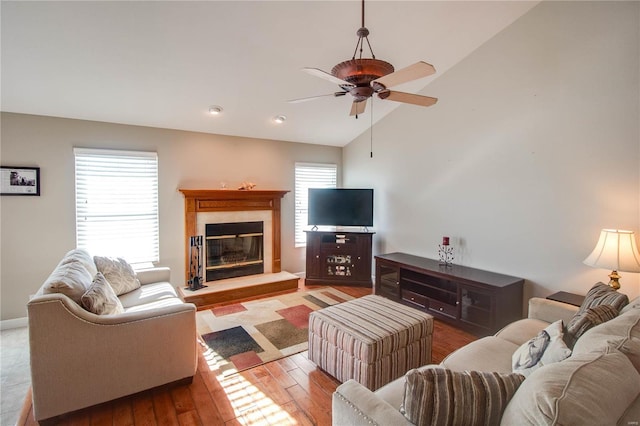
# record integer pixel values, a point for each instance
(70, 278)
(82, 256)
(438, 396)
(576, 391)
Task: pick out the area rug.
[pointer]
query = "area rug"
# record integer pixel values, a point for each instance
(244, 335)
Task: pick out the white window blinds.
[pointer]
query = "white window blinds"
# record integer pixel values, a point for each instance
(310, 175)
(117, 203)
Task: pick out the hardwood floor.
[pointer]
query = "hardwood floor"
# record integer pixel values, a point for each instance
(288, 391)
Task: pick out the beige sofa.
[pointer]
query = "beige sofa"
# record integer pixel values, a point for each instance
(595, 385)
(79, 359)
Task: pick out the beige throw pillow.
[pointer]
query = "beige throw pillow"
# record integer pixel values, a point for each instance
(100, 298)
(118, 273)
(438, 396)
(71, 279)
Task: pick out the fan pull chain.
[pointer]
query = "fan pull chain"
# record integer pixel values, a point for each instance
(371, 132)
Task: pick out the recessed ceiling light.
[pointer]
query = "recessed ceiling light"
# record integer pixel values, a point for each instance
(279, 119)
(215, 110)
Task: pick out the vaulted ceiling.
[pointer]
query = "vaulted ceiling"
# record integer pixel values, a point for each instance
(163, 64)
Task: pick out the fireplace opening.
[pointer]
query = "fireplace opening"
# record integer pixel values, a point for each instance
(233, 250)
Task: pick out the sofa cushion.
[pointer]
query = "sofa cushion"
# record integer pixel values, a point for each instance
(546, 348)
(71, 279)
(576, 391)
(584, 320)
(100, 298)
(622, 333)
(82, 256)
(438, 396)
(148, 293)
(118, 272)
(490, 353)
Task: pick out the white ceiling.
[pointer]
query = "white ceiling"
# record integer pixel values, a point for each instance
(162, 64)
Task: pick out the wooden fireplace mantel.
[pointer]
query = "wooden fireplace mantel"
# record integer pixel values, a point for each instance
(219, 200)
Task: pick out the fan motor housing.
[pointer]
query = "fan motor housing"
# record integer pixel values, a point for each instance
(361, 72)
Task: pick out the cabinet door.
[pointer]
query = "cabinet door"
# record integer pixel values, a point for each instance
(477, 306)
(313, 255)
(387, 280)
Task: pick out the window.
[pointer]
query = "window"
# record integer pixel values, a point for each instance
(117, 203)
(310, 175)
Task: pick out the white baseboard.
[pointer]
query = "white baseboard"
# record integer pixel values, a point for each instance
(14, 323)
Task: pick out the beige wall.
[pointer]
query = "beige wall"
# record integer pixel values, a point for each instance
(533, 147)
(37, 231)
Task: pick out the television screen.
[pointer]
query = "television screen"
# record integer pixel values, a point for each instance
(340, 207)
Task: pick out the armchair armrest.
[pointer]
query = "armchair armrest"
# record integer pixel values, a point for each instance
(354, 405)
(550, 310)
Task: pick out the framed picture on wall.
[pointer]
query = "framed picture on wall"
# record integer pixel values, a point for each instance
(19, 180)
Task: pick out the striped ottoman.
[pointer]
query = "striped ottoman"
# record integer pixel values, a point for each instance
(371, 339)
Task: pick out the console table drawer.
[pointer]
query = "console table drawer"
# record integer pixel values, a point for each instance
(443, 308)
(415, 298)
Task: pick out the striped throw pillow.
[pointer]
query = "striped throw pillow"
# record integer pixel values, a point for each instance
(583, 321)
(602, 294)
(438, 396)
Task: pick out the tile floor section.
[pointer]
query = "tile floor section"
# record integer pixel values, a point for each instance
(14, 369)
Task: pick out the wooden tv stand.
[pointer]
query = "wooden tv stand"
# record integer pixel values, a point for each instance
(480, 301)
(339, 258)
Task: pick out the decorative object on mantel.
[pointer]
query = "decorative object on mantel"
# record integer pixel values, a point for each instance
(20, 180)
(617, 250)
(195, 263)
(247, 334)
(445, 252)
(246, 186)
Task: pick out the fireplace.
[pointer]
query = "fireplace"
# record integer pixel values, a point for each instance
(215, 206)
(233, 250)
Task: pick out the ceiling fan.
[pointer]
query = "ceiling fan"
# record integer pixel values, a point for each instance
(364, 77)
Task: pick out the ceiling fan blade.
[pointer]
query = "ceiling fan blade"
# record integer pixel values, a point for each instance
(412, 72)
(310, 98)
(325, 75)
(408, 98)
(358, 107)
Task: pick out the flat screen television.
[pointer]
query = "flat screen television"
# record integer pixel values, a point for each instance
(340, 207)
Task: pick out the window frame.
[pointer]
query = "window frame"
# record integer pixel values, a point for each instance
(124, 187)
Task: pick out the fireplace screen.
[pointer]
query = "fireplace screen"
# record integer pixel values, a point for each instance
(234, 250)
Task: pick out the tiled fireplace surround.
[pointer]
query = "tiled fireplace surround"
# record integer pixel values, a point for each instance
(203, 206)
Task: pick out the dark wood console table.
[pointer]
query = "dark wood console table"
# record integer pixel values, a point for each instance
(477, 300)
(339, 257)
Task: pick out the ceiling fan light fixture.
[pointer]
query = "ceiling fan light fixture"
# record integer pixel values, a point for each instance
(215, 110)
(361, 71)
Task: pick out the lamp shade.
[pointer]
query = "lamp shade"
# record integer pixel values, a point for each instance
(616, 250)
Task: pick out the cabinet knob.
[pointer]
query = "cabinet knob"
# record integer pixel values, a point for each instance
(317, 256)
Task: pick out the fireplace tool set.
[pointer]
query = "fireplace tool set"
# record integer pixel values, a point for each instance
(195, 263)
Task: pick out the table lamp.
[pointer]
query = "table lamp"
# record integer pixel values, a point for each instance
(616, 250)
